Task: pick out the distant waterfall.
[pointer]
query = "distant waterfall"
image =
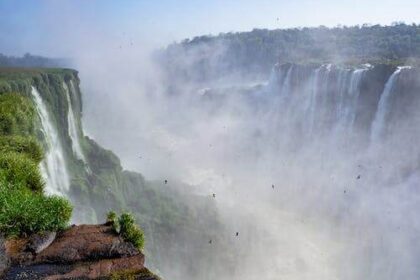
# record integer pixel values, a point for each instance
(315, 100)
(53, 166)
(349, 92)
(73, 131)
(379, 123)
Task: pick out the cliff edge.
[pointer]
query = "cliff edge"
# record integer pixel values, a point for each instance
(80, 252)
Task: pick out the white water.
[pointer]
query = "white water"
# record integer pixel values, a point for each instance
(53, 166)
(349, 92)
(73, 131)
(321, 221)
(379, 123)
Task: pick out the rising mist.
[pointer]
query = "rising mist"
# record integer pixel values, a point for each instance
(310, 153)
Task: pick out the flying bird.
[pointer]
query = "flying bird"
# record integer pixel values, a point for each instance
(166, 181)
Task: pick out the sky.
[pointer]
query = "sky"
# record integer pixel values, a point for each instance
(53, 27)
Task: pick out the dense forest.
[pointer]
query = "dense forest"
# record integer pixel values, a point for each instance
(208, 57)
(29, 60)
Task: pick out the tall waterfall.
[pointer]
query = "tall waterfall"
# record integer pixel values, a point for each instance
(379, 123)
(317, 100)
(53, 166)
(73, 131)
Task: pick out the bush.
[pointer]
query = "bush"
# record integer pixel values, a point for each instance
(133, 274)
(24, 145)
(130, 232)
(125, 225)
(21, 171)
(112, 219)
(23, 212)
(17, 115)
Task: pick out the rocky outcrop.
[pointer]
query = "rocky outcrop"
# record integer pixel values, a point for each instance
(4, 261)
(81, 252)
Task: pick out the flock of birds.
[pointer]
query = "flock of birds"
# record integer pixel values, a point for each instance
(272, 186)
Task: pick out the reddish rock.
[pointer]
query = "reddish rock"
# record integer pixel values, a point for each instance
(101, 268)
(81, 252)
(86, 242)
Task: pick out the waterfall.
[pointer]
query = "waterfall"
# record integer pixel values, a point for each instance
(53, 166)
(287, 84)
(73, 131)
(349, 92)
(313, 100)
(379, 122)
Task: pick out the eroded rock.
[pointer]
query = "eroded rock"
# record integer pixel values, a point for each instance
(81, 252)
(4, 259)
(39, 242)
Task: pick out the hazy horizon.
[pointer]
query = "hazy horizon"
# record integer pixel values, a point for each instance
(53, 28)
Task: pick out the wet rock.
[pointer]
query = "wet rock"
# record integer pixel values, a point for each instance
(81, 252)
(38, 242)
(4, 260)
(86, 242)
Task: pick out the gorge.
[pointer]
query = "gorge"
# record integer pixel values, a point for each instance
(256, 155)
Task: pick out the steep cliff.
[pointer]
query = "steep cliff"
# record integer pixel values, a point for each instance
(92, 177)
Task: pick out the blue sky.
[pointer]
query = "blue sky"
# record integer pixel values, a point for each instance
(39, 26)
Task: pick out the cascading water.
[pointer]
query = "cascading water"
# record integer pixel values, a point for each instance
(307, 103)
(53, 166)
(334, 203)
(73, 131)
(349, 92)
(379, 123)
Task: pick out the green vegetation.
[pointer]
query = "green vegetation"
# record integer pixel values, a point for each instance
(29, 60)
(23, 212)
(255, 52)
(162, 211)
(133, 274)
(17, 115)
(126, 227)
(23, 145)
(130, 231)
(112, 217)
(22, 171)
(24, 209)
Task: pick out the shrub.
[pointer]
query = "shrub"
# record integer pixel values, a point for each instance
(133, 274)
(24, 145)
(125, 225)
(112, 219)
(130, 232)
(21, 171)
(23, 212)
(17, 114)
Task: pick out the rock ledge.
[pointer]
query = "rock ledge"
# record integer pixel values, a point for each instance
(80, 252)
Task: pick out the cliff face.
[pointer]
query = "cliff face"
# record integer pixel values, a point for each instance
(81, 252)
(97, 182)
(329, 99)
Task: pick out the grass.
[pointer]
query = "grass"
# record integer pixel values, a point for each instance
(17, 115)
(23, 212)
(133, 274)
(23, 145)
(126, 227)
(24, 209)
(21, 171)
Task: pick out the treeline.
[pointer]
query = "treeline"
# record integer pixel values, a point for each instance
(30, 61)
(258, 50)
